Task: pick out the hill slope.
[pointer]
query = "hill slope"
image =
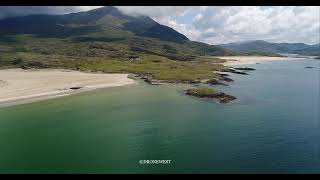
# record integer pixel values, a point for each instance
(264, 46)
(103, 40)
(103, 32)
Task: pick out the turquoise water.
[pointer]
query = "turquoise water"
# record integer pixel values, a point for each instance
(273, 127)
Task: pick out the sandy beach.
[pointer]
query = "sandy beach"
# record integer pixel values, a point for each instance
(19, 84)
(239, 60)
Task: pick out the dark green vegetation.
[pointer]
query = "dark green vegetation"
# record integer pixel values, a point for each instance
(103, 40)
(204, 92)
(260, 53)
(269, 48)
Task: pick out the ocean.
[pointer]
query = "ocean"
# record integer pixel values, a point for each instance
(272, 127)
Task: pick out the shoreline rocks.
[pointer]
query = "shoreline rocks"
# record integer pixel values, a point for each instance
(215, 82)
(150, 80)
(245, 69)
(230, 70)
(211, 94)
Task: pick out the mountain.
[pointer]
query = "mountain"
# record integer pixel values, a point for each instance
(113, 32)
(264, 46)
(94, 21)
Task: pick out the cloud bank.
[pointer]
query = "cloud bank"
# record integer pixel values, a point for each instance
(217, 25)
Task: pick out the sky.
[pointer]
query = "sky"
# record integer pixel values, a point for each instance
(215, 24)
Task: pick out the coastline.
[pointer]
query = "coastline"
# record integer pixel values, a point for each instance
(242, 60)
(21, 86)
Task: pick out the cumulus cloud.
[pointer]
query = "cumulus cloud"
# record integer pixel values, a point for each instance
(215, 25)
(155, 11)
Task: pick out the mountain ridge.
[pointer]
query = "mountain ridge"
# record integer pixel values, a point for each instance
(265, 46)
(107, 25)
(62, 24)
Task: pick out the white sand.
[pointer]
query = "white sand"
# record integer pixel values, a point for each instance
(239, 60)
(19, 84)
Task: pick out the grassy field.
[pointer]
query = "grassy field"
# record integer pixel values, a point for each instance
(159, 60)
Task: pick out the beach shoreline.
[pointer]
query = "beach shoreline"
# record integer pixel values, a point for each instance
(244, 60)
(20, 86)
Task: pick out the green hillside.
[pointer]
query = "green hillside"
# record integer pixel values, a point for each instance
(103, 37)
(267, 47)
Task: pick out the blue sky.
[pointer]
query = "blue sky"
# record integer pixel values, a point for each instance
(216, 25)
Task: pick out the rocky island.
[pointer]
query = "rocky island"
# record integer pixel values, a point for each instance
(204, 92)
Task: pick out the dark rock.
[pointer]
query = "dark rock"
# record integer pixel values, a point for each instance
(215, 82)
(309, 67)
(75, 88)
(238, 72)
(245, 69)
(24, 67)
(224, 98)
(220, 96)
(226, 79)
(223, 75)
(144, 77)
(234, 71)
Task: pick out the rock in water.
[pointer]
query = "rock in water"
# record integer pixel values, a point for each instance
(215, 82)
(234, 71)
(222, 78)
(245, 69)
(210, 94)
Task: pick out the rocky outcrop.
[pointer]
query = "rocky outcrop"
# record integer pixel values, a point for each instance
(230, 70)
(219, 96)
(149, 79)
(215, 82)
(245, 69)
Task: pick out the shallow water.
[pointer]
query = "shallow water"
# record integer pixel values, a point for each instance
(273, 127)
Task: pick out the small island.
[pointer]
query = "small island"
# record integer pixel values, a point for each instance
(204, 92)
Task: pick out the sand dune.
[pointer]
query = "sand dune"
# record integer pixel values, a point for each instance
(18, 84)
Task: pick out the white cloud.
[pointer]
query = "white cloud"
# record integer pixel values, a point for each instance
(217, 25)
(198, 17)
(277, 24)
